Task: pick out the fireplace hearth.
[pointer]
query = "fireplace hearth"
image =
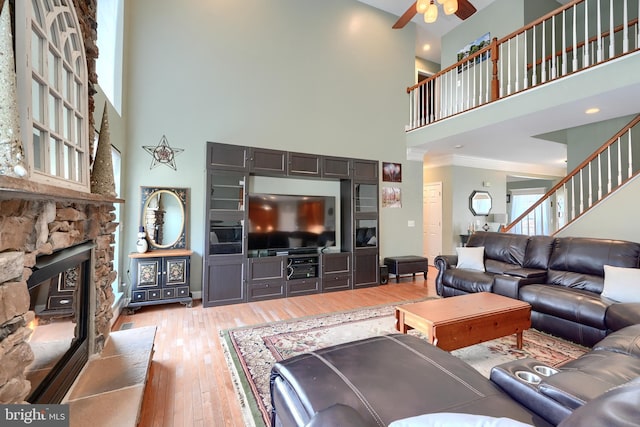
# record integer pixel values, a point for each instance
(58, 290)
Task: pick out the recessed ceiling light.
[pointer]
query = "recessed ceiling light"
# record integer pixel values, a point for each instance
(426, 47)
(458, 146)
(592, 110)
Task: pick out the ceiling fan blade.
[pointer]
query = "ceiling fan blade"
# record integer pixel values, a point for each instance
(465, 9)
(406, 17)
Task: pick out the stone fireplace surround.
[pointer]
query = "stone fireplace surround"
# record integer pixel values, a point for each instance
(35, 220)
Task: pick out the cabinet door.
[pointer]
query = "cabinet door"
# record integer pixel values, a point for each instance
(365, 170)
(267, 268)
(226, 191)
(304, 164)
(366, 267)
(268, 162)
(223, 281)
(227, 156)
(176, 271)
(147, 273)
(336, 263)
(366, 198)
(336, 167)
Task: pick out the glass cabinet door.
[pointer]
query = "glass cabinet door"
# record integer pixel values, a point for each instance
(226, 191)
(225, 236)
(366, 196)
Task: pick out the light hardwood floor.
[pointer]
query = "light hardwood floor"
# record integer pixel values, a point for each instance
(190, 384)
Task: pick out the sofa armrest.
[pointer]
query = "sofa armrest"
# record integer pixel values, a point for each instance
(509, 286)
(443, 263)
(622, 314)
(337, 415)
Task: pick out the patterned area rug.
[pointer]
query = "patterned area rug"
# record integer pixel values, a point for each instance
(251, 351)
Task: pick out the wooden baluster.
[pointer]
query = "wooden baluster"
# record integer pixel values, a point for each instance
(517, 64)
(495, 83)
(619, 161)
(581, 191)
(612, 41)
(573, 199)
(609, 170)
(599, 33)
(599, 176)
(630, 154)
(586, 35)
(575, 41)
(590, 183)
(625, 28)
(543, 61)
(553, 48)
(564, 43)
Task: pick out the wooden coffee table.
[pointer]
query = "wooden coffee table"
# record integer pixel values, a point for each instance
(464, 320)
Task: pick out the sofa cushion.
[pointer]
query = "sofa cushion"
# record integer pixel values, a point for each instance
(468, 281)
(576, 305)
(625, 341)
(621, 284)
(538, 252)
(617, 407)
(471, 258)
(578, 262)
(504, 247)
(621, 315)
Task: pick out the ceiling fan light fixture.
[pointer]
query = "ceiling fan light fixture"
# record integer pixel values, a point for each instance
(450, 6)
(421, 6)
(431, 13)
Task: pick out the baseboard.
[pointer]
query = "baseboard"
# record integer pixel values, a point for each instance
(119, 303)
(196, 295)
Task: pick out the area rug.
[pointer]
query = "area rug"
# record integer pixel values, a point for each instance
(251, 351)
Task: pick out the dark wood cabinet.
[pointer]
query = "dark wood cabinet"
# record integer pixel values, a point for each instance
(160, 277)
(365, 170)
(301, 164)
(266, 278)
(336, 271)
(268, 162)
(227, 156)
(336, 167)
(366, 268)
(224, 282)
(232, 274)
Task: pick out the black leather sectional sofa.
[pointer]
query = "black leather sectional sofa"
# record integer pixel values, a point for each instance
(376, 381)
(562, 278)
(380, 380)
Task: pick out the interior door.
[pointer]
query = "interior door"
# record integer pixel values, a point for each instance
(432, 220)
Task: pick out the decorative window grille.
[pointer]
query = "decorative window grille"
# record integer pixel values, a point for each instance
(52, 90)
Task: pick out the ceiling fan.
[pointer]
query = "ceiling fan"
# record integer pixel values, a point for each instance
(465, 10)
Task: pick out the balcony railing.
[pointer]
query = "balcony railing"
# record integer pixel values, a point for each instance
(572, 38)
(602, 173)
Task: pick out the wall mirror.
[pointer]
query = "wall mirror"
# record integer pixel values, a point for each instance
(480, 203)
(164, 216)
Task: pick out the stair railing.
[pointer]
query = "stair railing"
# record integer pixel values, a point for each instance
(572, 38)
(600, 174)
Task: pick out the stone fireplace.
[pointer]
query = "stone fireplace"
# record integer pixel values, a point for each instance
(37, 222)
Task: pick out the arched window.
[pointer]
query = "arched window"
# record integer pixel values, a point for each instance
(53, 94)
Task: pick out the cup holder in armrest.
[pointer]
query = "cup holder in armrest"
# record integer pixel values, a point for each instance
(545, 371)
(528, 377)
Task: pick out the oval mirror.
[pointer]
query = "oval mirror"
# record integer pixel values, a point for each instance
(480, 203)
(164, 213)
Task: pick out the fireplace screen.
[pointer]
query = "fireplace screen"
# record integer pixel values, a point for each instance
(58, 289)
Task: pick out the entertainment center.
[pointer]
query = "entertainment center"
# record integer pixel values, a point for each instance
(283, 224)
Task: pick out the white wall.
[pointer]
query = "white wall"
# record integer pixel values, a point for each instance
(321, 77)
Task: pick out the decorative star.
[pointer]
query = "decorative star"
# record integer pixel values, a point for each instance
(163, 153)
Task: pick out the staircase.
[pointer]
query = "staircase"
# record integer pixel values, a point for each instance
(605, 171)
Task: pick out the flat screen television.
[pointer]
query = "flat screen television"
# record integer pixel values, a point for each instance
(291, 223)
